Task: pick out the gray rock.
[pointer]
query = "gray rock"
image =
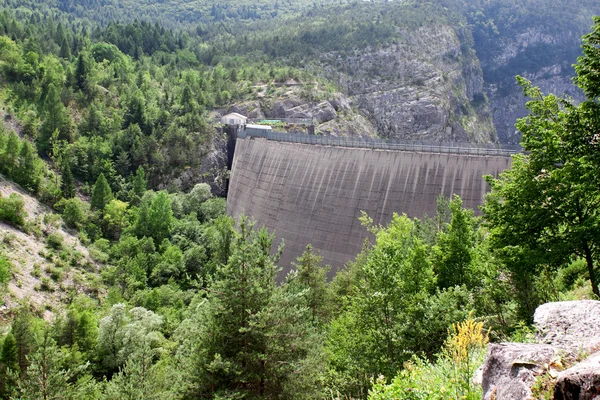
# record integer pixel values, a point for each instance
(320, 113)
(418, 87)
(510, 369)
(251, 109)
(571, 325)
(581, 382)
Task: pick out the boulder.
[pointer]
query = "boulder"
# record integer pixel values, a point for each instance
(571, 325)
(319, 112)
(510, 369)
(581, 382)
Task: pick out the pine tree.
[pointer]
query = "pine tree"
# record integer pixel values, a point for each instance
(68, 183)
(101, 193)
(11, 154)
(139, 185)
(257, 340)
(8, 361)
(312, 277)
(29, 171)
(56, 119)
(22, 331)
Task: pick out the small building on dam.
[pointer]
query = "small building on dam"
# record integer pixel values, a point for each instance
(309, 189)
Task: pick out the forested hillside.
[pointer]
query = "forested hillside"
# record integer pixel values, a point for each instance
(125, 278)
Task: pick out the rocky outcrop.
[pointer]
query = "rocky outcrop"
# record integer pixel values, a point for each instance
(332, 116)
(212, 170)
(425, 86)
(581, 382)
(511, 369)
(566, 332)
(570, 325)
(552, 73)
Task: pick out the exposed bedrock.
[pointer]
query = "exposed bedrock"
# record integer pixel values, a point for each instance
(315, 194)
(567, 332)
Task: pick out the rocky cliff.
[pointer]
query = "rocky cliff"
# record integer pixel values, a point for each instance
(526, 54)
(331, 112)
(426, 85)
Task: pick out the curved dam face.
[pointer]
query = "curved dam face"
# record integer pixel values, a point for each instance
(314, 193)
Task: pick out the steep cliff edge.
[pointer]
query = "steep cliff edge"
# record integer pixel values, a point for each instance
(553, 74)
(425, 85)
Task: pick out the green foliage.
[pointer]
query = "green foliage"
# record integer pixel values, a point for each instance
(255, 341)
(5, 271)
(449, 377)
(453, 253)
(55, 241)
(75, 212)
(543, 210)
(312, 277)
(12, 209)
(588, 65)
(101, 193)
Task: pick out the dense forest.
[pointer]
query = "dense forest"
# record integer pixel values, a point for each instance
(101, 110)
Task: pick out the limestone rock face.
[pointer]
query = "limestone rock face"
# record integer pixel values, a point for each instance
(424, 86)
(571, 325)
(566, 330)
(581, 382)
(333, 116)
(510, 369)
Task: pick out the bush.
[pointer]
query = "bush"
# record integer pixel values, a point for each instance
(74, 213)
(55, 241)
(5, 271)
(12, 209)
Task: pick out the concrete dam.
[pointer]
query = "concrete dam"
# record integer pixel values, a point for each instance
(314, 193)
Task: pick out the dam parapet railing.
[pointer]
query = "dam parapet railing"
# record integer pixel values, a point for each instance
(385, 144)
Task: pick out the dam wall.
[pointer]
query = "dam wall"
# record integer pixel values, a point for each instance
(308, 193)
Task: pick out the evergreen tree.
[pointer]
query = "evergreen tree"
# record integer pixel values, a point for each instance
(139, 185)
(453, 254)
(56, 119)
(23, 334)
(254, 342)
(82, 72)
(65, 49)
(68, 183)
(11, 154)
(312, 277)
(8, 362)
(101, 193)
(29, 170)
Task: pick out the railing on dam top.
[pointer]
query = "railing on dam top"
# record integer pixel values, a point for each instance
(385, 144)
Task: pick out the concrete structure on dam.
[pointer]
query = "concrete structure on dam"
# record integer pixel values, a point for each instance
(308, 193)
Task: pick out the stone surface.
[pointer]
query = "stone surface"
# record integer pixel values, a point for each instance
(581, 382)
(572, 325)
(315, 194)
(510, 369)
(333, 116)
(425, 86)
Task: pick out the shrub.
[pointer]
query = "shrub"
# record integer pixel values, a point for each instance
(75, 213)
(46, 285)
(5, 270)
(55, 241)
(12, 209)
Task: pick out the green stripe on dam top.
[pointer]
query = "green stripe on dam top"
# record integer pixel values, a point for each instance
(315, 193)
